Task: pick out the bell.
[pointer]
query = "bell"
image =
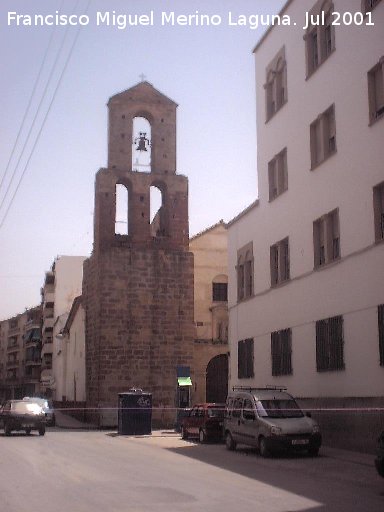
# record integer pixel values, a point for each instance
(141, 142)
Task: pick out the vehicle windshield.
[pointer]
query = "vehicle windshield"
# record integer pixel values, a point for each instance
(278, 408)
(216, 412)
(26, 408)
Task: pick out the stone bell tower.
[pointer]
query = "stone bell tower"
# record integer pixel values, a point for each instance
(138, 285)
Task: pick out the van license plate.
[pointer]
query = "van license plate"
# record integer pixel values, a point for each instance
(300, 441)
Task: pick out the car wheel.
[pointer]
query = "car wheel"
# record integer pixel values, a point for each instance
(184, 434)
(42, 431)
(314, 451)
(202, 436)
(28, 431)
(7, 430)
(229, 442)
(263, 448)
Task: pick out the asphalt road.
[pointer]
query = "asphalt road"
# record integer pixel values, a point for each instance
(100, 471)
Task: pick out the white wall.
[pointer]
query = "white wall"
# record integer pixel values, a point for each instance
(68, 285)
(68, 282)
(75, 369)
(352, 287)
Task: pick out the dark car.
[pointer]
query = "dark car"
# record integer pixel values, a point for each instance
(204, 421)
(22, 415)
(379, 461)
(47, 407)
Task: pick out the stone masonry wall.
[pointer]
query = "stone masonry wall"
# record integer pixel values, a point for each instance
(139, 321)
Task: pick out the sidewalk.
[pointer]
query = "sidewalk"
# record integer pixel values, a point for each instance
(66, 421)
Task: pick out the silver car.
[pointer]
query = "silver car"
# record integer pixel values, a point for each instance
(269, 419)
(47, 407)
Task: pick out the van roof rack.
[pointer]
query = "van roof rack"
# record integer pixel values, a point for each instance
(257, 388)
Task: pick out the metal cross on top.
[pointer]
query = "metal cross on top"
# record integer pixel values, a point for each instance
(142, 77)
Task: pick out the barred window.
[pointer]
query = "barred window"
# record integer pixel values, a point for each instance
(219, 292)
(245, 359)
(281, 351)
(380, 320)
(329, 344)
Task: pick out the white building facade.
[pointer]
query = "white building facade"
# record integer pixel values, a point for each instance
(306, 261)
(63, 283)
(74, 354)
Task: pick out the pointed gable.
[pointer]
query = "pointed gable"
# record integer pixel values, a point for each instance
(142, 90)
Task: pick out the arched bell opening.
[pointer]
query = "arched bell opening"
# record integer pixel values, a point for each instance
(121, 210)
(158, 213)
(141, 144)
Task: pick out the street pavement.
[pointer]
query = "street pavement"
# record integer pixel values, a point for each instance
(87, 470)
(66, 421)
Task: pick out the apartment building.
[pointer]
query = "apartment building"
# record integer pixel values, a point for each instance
(306, 260)
(62, 283)
(20, 355)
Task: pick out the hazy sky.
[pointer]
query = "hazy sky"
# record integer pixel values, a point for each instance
(208, 71)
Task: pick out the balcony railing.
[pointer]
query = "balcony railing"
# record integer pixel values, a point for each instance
(34, 320)
(32, 343)
(48, 296)
(47, 350)
(14, 330)
(48, 324)
(29, 361)
(12, 347)
(12, 378)
(13, 364)
(31, 379)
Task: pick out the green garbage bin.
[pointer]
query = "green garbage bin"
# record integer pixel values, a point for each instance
(135, 412)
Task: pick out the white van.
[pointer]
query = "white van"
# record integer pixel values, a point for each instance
(269, 419)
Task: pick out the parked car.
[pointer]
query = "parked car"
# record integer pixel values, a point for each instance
(269, 419)
(47, 407)
(204, 421)
(22, 415)
(379, 461)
